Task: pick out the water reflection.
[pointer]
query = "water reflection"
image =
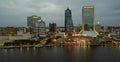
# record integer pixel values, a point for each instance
(60, 54)
(21, 49)
(4, 51)
(69, 49)
(27, 49)
(34, 50)
(11, 51)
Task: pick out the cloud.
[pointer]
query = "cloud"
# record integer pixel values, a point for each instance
(17, 11)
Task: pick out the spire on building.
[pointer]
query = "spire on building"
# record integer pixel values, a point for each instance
(98, 22)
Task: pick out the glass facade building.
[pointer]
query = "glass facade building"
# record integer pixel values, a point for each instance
(88, 26)
(41, 28)
(68, 21)
(88, 18)
(32, 22)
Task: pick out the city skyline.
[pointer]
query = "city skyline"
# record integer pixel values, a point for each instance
(14, 13)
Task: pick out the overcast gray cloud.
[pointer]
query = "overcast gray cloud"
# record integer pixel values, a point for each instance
(15, 12)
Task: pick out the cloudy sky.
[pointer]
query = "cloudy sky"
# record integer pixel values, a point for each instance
(15, 12)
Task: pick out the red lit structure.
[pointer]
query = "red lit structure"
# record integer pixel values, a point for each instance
(69, 42)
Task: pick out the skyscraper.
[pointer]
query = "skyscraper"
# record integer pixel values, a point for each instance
(88, 26)
(68, 21)
(32, 22)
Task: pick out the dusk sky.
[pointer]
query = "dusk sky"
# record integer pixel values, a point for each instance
(15, 12)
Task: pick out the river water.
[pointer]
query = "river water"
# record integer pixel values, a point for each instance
(61, 54)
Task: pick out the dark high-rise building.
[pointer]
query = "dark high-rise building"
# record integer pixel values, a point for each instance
(88, 26)
(68, 21)
(52, 27)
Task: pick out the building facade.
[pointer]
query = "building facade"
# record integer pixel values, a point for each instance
(32, 23)
(98, 27)
(68, 21)
(88, 26)
(52, 27)
(42, 28)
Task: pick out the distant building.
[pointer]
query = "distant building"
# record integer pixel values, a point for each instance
(32, 22)
(88, 26)
(21, 35)
(8, 31)
(61, 29)
(98, 27)
(68, 21)
(110, 29)
(42, 28)
(52, 27)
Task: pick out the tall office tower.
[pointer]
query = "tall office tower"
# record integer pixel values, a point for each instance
(32, 22)
(42, 28)
(88, 26)
(68, 21)
(52, 27)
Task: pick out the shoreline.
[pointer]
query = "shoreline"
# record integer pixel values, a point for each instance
(60, 45)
